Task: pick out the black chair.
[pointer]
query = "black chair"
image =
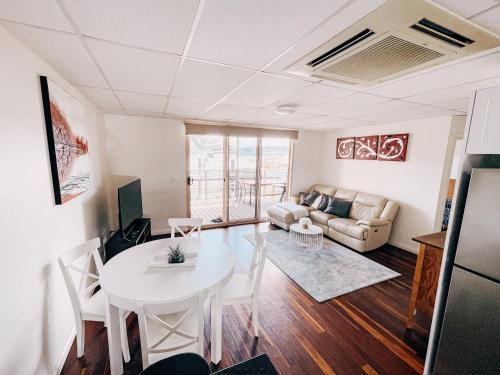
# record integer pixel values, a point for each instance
(179, 364)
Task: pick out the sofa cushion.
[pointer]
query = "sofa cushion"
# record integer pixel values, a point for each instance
(324, 202)
(281, 214)
(348, 195)
(320, 217)
(317, 202)
(349, 228)
(307, 199)
(323, 189)
(367, 206)
(338, 207)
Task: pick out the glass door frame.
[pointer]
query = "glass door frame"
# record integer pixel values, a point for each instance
(225, 200)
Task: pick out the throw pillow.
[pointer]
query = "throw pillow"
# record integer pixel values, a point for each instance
(311, 197)
(338, 207)
(302, 198)
(324, 202)
(317, 202)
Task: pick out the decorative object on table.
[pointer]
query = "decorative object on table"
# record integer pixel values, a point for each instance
(305, 222)
(392, 147)
(67, 141)
(309, 238)
(365, 148)
(345, 148)
(176, 254)
(328, 273)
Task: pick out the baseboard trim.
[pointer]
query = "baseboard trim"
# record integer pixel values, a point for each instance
(64, 353)
(404, 247)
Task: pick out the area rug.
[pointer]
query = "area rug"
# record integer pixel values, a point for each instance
(327, 273)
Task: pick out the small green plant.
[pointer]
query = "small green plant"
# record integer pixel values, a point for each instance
(175, 254)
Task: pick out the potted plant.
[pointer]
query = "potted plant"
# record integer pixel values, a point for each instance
(176, 254)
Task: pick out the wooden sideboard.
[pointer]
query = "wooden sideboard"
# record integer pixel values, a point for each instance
(425, 281)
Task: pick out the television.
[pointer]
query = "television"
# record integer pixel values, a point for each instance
(129, 205)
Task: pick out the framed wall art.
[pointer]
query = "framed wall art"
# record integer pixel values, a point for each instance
(365, 148)
(392, 147)
(67, 142)
(345, 148)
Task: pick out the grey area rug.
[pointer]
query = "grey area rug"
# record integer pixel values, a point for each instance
(327, 273)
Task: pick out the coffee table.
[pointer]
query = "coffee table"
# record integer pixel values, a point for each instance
(305, 239)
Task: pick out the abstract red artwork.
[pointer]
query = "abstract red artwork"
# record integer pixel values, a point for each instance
(68, 146)
(392, 147)
(365, 148)
(345, 148)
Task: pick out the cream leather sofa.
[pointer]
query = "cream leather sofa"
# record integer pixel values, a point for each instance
(368, 226)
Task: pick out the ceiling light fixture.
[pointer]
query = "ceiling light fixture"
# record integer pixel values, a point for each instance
(285, 109)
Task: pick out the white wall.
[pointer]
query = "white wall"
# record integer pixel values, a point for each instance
(415, 184)
(36, 317)
(307, 161)
(153, 150)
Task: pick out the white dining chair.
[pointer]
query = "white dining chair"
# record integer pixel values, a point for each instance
(244, 288)
(167, 329)
(192, 224)
(87, 305)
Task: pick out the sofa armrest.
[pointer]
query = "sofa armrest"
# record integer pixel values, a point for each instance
(295, 199)
(373, 222)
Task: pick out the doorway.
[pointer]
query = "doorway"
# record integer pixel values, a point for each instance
(234, 179)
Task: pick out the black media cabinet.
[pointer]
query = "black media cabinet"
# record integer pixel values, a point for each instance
(140, 233)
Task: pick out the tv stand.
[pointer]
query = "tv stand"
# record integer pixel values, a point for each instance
(140, 233)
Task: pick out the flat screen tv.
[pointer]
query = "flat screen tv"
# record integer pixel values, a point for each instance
(129, 205)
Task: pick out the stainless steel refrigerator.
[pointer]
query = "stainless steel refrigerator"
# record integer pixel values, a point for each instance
(465, 338)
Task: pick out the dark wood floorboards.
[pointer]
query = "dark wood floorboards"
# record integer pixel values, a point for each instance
(362, 332)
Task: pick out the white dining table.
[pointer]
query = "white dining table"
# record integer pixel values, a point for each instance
(129, 275)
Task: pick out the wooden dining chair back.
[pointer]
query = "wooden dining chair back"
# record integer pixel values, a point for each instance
(192, 224)
(80, 268)
(244, 288)
(167, 329)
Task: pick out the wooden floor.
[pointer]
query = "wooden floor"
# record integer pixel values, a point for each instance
(362, 332)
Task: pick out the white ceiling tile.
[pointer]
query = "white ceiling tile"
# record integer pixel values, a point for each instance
(257, 116)
(346, 103)
(454, 93)
(135, 69)
(61, 50)
(186, 107)
(489, 20)
(251, 33)
(145, 114)
(457, 104)
(292, 118)
(458, 73)
(206, 81)
(158, 25)
(102, 98)
(314, 121)
(142, 102)
(415, 113)
(466, 8)
(388, 106)
(333, 26)
(338, 123)
(312, 94)
(44, 13)
(226, 111)
(262, 89)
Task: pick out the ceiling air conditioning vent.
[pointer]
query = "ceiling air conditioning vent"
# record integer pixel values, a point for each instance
(396, 39)
(358, 38)
(442, 33)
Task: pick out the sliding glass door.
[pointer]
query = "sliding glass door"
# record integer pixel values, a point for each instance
(274, 172)
(242, 167)
(234, 179)
(206, 178)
